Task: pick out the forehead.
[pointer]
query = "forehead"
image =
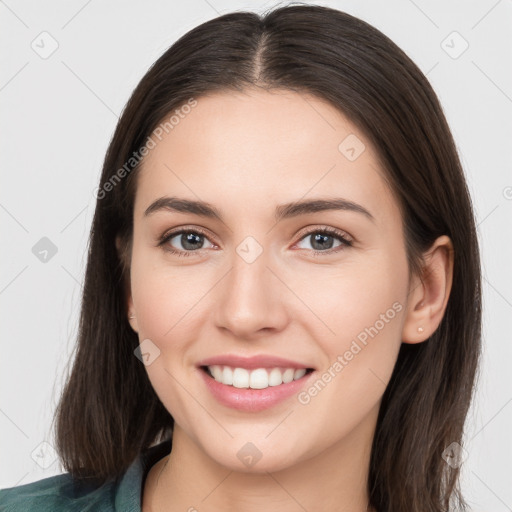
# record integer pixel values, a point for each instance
(263, 147)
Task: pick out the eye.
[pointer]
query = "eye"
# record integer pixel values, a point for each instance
(323, 240)
(187, 240)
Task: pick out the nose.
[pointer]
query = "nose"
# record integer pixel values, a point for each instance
(250, 301)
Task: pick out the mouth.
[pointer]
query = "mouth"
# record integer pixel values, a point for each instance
(255, 378)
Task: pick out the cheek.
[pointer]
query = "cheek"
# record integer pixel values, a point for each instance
(164, 297)
(363, 306)
(360, 293)
(164, 301)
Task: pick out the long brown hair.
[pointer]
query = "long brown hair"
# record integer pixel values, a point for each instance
(108, 412)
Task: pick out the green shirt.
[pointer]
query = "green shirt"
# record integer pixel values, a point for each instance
(60, 492)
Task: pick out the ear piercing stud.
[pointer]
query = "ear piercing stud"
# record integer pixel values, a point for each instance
(420, 329)
(131, 316)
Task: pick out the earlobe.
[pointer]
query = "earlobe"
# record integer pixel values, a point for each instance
(429, 295)
(132, 319)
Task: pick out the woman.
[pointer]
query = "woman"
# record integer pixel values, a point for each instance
(283, 284)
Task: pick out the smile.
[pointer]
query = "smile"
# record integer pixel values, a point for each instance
(253, 384)
(259, 378)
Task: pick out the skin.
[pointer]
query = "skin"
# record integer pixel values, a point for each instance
(245, 153)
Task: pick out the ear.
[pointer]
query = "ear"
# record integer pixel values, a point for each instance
(121, 251)
(429, 294)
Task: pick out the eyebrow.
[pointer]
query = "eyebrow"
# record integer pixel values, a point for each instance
(284, 211)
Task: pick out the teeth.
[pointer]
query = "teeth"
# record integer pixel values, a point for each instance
(288, 375)
(240, 378)
(260, 378)
(275, 378)
(227, 375)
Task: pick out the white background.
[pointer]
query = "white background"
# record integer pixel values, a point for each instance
(59, 113)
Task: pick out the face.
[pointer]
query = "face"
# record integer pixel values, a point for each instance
(242, 289)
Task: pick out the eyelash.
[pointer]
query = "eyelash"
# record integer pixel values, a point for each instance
(345, 242)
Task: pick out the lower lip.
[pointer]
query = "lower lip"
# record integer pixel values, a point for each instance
(253, 400)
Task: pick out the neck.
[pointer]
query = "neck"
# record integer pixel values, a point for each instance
(334, 480)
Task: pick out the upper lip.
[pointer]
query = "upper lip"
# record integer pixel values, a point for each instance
(259, 361)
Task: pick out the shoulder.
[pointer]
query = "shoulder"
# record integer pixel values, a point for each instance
(57, 493)
(63, 493)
